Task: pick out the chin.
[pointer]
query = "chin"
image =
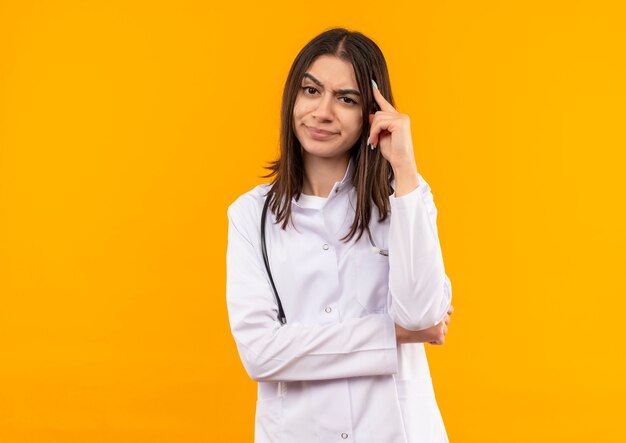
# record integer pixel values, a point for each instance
(323, 152)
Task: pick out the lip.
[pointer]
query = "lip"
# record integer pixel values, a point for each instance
(320, 134)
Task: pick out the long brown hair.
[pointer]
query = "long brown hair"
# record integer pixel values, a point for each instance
(373, 174)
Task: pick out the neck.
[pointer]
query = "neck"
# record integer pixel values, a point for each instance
(320, 174)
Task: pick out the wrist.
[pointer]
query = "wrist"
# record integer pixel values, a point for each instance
(404, 162)
(406, 178)
(399, 335)
(402, 335)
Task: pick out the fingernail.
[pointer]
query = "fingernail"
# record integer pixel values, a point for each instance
(368, 141)
(374, 84)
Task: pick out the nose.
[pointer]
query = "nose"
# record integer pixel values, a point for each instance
(324, 110)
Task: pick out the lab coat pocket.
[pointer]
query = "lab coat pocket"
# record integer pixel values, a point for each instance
(420, 411)
(268, 420)
(372, 280)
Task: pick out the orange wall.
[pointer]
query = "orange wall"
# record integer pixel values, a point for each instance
(126, 129)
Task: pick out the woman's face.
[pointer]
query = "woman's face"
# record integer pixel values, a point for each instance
(328, 100)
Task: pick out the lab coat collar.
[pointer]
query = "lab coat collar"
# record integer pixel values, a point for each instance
(344, 184)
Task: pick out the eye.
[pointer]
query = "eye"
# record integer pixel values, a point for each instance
(350, 102)
(308, 88)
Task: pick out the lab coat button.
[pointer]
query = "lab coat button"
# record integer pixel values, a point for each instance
(328, 309)
(344, 435)
(325, 247)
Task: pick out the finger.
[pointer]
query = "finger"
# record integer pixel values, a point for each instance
(451, 310)
(380, 115)
(377, 127)
(373, 119)
(447, 319)
(382, 102)
(369, 141)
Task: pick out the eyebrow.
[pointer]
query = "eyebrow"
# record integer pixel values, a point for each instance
(338, 91)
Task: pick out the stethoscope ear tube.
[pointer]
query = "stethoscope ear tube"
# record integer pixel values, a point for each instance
(281, 313)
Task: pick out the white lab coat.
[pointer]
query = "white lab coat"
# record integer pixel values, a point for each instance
(334, 372)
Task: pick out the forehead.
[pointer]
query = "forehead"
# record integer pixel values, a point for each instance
(333, 71)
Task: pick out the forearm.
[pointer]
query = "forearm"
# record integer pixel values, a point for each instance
(362, 346)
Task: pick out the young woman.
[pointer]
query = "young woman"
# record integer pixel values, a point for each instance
(334, 334)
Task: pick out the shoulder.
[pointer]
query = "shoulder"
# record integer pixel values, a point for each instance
(244, 213)
(247, 207)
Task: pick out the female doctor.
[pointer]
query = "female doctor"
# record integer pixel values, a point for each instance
(334, 334)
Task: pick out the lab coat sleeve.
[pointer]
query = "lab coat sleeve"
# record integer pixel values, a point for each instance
(420, 292)
(271, 351)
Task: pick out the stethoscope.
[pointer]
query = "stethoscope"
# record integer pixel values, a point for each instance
(281, 313)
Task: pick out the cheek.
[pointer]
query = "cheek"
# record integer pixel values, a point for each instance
(357, 125)
(301, 109)
(298, 110)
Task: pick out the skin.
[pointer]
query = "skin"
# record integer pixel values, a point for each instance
(326, 161)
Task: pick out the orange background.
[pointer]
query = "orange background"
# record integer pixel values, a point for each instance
(127, 128)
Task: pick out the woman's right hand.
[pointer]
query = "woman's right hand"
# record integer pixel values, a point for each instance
(434, 335)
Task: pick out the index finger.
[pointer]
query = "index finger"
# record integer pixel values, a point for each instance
(380, 99)
(451, 310)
